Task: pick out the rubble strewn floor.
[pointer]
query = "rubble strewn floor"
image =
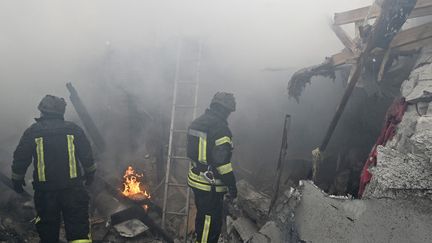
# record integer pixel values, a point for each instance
(250, 221)
(320, 218)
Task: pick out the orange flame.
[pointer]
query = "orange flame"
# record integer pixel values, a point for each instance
(132, 185)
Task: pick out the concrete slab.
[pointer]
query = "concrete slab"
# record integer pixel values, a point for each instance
(320, 218)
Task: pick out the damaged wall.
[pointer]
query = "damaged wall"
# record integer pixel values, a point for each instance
(404, 167)
(397, 203)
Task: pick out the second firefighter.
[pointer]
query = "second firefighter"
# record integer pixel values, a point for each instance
(211, 175)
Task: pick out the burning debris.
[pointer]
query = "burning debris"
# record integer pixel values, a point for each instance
(132, 186)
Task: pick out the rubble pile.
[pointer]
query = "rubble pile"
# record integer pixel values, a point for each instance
(251, 221)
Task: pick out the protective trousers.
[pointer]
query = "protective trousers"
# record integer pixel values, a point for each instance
(208, 222)
(73, 205)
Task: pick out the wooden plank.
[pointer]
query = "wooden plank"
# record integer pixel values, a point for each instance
(344, 38)
(421, 12)
(343, 57)
(413, 46)
(355, 15)
(356, 29)
(383, 26)
(422, 8)
(405, 40)
(412, 35)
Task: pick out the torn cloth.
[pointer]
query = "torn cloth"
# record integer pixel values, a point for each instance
(393, 118)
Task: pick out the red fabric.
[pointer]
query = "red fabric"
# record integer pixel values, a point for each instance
(393, 118)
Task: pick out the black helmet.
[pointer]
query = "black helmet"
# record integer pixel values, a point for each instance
(224, 99)
(51, 104)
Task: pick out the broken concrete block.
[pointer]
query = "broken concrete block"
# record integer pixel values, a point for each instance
(272, 231)
(353, 209)
(422, 138)
(131, 228)
(245, 228)
(229, 224)
(259, 238)
(254, 203)
(398, 175)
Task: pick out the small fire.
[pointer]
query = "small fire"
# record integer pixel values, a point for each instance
(132, 185)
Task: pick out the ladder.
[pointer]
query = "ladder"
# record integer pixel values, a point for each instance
(188, 112)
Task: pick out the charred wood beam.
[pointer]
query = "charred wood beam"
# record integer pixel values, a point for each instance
(404, 41)
(422, 8)
(393, 15)
(389, 22)
(86, 119)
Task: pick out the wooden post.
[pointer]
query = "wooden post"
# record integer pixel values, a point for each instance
(282, 156)
(86, 119)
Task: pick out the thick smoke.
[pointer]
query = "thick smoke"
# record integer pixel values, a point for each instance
(115, 51)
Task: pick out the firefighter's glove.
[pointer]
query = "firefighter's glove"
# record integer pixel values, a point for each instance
(18, 185)
(89, 178)
(232, 193)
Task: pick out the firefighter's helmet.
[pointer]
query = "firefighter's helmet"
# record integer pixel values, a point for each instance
(226, 100)
(51, 104)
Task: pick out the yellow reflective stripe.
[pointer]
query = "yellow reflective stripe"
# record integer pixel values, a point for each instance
(81, 241)
(202, 150)
(72, 160)
(197, 185)
(221, 188)
(40, 159)
(223, 140)
(201, 179)
(206, 229)
(225, 169)
(91, 168)
(16, 176)
(36, 220)
(197, 133)
(205, 187)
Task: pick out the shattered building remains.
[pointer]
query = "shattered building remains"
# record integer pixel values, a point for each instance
(368, 181)
(389, 169)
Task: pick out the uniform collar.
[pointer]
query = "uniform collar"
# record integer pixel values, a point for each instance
(218, 115)
(50, 117)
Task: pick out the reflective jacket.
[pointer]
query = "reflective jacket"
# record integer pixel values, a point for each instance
(210, 148)
(60, 152)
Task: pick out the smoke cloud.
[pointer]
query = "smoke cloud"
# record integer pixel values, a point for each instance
(111, 50)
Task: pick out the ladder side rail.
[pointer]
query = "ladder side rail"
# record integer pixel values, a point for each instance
(197, 79)
(170, 142)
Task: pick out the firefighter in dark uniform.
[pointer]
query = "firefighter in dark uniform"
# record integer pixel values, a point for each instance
(63, 162)
(211, 175)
